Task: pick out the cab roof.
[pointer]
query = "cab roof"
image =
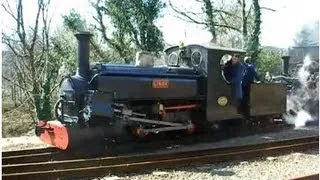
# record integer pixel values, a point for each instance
(212, 47)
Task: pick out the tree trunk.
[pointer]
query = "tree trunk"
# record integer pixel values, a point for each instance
(256, 33)
(244, 23)
(210, 19)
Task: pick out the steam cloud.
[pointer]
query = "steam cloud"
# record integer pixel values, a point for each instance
(303, 101)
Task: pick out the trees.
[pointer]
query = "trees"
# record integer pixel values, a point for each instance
(231, 23)
(36, 53)
(303, 37)
(133, 22)
(211, 17)
(307, 36)
(269, 61)
(241, 18)
(254, 43)
(34, 69)
(74, 23)
(120, 42)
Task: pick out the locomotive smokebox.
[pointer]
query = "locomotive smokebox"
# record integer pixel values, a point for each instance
(83, 53)
(285, 66)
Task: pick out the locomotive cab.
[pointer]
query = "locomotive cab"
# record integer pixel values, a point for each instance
(219, 101)
(210, 60)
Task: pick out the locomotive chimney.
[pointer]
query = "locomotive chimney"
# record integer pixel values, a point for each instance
(83, 53)
(285, 64)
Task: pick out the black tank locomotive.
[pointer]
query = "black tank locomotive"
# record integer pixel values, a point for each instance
(108, 101)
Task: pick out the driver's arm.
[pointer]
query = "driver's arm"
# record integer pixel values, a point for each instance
(255, 74)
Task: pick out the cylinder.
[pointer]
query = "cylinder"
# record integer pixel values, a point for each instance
(285, 63)
(83, 53)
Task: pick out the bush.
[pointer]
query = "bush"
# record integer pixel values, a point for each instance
(269, 61)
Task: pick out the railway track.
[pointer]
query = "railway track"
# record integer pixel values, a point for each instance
(33, 156)
(28, 151)
(131, 163)
(308, 177)
(50, 154)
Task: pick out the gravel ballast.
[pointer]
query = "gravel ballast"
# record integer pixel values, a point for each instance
(279, 167)
(23, 142)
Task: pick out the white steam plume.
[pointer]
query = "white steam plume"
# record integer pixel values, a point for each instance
(303, 101)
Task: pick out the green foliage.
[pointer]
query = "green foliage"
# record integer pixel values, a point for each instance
(133, 22)
(64, 50)
(269, 60)
(59, 52)
(74, 21)
(125, 48)
(46, 109)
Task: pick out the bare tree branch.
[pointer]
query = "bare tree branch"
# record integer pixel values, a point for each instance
(97, 49)
(229, 27)
(20, 24)
(29, 98)
(249, 11)
(103, 29)
(7, 8)
(270, 9)
(225, 12)
(11, 81)
(186, 17)
(225, 24)
(35, 31)
(7, 42)
(191, 19)
(31, 52)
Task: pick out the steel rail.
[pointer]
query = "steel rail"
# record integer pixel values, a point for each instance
(37, 157)
(28, 151)
(308, 177)
(100, 166)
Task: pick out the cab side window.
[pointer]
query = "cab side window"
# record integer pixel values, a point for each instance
(224, 66)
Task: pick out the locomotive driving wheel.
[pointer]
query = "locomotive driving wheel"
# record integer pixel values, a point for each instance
(191, 128)
(138, 131)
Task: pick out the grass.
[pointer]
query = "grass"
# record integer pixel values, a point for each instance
(15, 121)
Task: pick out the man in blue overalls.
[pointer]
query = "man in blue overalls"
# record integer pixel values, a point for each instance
(249, 77)
(233, 72)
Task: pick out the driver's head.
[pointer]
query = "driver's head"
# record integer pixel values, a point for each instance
(235, 58)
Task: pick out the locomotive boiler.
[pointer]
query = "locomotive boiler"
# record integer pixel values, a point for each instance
(187, 94)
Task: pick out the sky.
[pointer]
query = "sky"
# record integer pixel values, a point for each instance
(278, 28)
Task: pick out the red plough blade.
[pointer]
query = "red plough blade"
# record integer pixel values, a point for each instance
(53, 133)
(67, 137)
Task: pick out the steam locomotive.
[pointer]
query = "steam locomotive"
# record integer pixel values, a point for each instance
(107, 101)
